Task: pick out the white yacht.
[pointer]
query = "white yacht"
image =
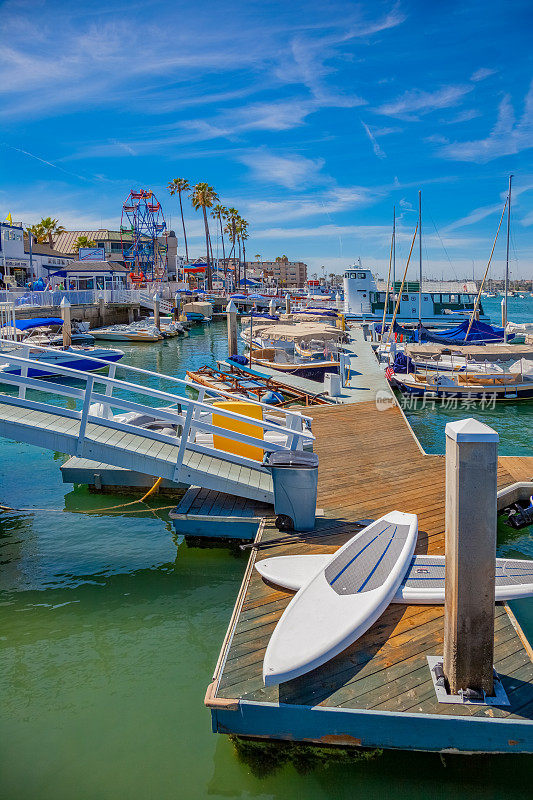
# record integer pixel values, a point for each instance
(363, 301)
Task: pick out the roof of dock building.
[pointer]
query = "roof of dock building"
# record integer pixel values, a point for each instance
(44, 249)
(95, 266)
(66, 241)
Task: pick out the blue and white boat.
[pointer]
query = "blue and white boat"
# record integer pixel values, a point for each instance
(47, 348)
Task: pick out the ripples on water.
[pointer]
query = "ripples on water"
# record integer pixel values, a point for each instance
(110, 629)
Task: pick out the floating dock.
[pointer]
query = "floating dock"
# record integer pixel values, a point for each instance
(210, 514)
(104, 478)
(378, 692)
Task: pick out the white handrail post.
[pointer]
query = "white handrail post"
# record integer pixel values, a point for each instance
(184, 441)
(109, 386)
(295, 441)
(85, 413)
(197, 410)
(24, 372)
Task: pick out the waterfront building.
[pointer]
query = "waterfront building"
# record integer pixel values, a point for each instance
(79, 275)
(111, 243)
(291, 274)
(18, 265)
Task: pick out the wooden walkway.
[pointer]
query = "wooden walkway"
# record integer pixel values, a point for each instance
(370, 463)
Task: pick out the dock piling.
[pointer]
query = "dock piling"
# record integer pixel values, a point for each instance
(156, 311)
(287, 303)
(231, 316)
(471, 488)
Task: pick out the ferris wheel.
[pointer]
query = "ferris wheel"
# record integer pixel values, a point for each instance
(143, 236)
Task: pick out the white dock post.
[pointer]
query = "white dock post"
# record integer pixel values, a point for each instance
(471, 518)
(231, 316)
(66, 329)
(287, 303)
(272, 308)
(156, 310)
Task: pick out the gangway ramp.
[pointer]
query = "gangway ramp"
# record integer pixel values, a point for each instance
(188, 457)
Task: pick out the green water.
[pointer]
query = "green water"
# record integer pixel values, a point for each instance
(109, 632)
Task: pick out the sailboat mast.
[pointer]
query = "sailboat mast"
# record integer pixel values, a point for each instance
(393, 248)
(504, 320)
(420, 257)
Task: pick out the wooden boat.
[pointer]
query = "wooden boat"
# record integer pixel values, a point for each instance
(469, 386)
(230, 378)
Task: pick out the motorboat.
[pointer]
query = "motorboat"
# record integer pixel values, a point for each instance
(128, 333)
(75, 357)
(281, 361)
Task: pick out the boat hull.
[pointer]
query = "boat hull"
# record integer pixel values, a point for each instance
(83, 362)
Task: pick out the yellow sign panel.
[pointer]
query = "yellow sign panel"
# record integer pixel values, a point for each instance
(247, 428)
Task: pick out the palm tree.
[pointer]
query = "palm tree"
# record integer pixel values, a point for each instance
(83, 241)
(242, 235)
(38, 233)
(217, 213)
(50, 228)
(204, 196)
(232, 215)
(177, 186)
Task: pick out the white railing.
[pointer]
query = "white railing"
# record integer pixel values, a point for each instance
(148, 301)
(191, 416)
(126, 296)
(46, 299)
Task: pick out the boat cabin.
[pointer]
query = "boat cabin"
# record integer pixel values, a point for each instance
(362, 299)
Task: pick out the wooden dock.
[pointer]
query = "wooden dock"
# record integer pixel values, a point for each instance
(378, 692)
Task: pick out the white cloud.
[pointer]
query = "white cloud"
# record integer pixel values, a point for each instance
(378, 151)
(507, 137)
(415, 103)
(293, 172)
(322, 204)
(481, 74)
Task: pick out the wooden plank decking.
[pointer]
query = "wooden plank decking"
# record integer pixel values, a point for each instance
(370, 463)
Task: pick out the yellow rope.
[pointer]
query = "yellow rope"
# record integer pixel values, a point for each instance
(100, 510)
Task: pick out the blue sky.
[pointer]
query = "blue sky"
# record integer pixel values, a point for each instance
(313, 118)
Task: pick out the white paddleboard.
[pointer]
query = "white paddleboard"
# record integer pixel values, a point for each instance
(343, 599)
(423, 581)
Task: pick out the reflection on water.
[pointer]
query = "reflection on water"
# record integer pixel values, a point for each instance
(110, 629)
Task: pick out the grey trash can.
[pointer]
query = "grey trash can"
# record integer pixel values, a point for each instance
(295, 480)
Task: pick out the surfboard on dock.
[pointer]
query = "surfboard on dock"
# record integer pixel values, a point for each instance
(343, 599)
(423, 582)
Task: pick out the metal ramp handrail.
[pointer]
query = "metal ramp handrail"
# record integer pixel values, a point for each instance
(197, 417)
(186, 382)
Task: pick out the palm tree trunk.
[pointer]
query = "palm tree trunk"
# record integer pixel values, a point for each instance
(223, 251)
(206, 226)
(239, 260)
(184, 232)
(244, 261)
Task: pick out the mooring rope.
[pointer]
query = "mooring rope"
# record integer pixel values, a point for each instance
(99, 510)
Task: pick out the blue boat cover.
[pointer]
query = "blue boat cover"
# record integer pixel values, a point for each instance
(480, 332)
(38, 322)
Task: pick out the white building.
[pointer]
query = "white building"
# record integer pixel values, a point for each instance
(18, 265)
